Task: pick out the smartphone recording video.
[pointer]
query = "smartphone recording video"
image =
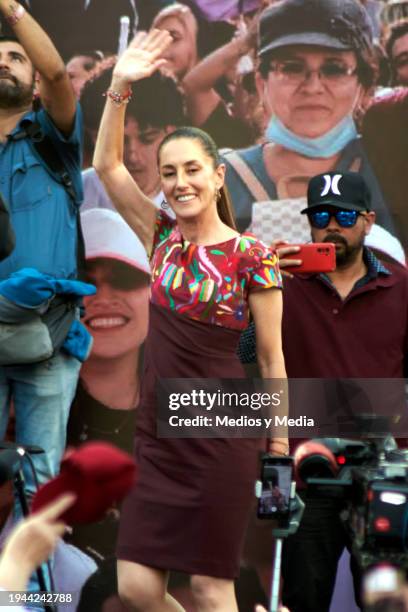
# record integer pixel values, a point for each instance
(276, 481)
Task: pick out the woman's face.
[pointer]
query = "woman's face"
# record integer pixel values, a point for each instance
(189, 180)
(311, 105)
(117, 315)
(181, 55)
(78, 71)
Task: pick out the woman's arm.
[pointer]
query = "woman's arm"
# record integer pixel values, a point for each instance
(140, 60)
(266, 309)
(198, 84)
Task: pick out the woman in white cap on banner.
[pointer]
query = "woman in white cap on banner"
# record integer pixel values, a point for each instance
(106, 400)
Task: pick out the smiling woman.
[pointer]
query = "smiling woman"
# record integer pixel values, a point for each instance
(205, 280)
(117, 316)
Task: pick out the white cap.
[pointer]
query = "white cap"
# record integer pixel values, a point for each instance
(107, 235)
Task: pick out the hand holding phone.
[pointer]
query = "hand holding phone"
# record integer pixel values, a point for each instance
(313, 257)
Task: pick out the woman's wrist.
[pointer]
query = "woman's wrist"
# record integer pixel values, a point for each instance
(120, 84)
(240, 46)
(279, 446)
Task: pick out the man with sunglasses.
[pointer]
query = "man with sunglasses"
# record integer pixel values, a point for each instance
(350, 323)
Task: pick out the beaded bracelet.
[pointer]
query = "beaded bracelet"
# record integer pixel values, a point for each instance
(117, 97)
(15, 15)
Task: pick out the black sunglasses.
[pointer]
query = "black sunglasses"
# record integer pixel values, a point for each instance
(344, 218)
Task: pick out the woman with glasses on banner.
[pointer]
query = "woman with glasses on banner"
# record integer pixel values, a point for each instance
(191, 503)
(317, 68)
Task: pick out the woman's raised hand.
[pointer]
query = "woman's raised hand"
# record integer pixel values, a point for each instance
(142, 57)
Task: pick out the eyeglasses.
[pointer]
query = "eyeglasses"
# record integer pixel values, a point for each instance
(296, 72)
(344, 218)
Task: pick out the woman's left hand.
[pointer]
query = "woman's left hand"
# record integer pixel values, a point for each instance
(278, 446)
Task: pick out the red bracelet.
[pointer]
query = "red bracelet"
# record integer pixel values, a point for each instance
(15, 15)
(117, 97)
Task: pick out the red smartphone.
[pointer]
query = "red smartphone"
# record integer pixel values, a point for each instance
(316, 257)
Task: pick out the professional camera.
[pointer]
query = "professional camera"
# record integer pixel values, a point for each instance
(370, 477)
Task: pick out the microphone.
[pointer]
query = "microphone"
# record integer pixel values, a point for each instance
(10, 465)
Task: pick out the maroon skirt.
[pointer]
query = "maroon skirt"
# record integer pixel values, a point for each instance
(190, 507)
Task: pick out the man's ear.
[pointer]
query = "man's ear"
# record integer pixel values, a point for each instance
(369, 219)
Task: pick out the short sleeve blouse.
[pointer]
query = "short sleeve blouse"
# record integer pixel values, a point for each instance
(210, 283)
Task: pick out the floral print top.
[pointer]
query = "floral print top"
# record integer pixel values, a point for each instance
(209, 283)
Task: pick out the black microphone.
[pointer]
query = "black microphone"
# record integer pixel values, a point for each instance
(10, 465)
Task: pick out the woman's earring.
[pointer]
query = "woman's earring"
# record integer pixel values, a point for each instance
(217, 195)
(164, 205)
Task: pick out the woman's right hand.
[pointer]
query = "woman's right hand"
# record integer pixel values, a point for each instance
(142, 57)
(283, 248)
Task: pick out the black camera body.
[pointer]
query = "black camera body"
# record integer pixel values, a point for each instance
(372, 486)
(378, 510)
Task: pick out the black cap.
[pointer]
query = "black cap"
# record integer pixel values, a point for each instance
(338, 24)
(347, 190)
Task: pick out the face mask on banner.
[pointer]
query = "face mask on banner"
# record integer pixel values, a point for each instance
(324, 146)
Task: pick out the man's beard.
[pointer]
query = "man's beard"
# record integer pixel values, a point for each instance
(349, 253)
(13, 93)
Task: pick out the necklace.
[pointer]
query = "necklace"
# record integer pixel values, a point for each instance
(86, 429)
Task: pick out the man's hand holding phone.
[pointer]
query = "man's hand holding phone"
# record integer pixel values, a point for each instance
(312, 257)
(284, 248)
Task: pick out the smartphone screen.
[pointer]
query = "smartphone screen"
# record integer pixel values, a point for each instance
(276, 481)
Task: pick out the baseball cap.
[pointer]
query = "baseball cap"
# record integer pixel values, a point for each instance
(107, 235)
(98, 473)
(347, 190)
(338, 24)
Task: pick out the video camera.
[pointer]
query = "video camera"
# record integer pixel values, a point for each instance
(370, 477)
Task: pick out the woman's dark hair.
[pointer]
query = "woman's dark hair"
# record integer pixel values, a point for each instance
(157, 101)
(93, 57)
(396, 30)
(208, 145)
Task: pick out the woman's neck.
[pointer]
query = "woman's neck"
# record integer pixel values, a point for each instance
(206, 229)
(104, 377)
